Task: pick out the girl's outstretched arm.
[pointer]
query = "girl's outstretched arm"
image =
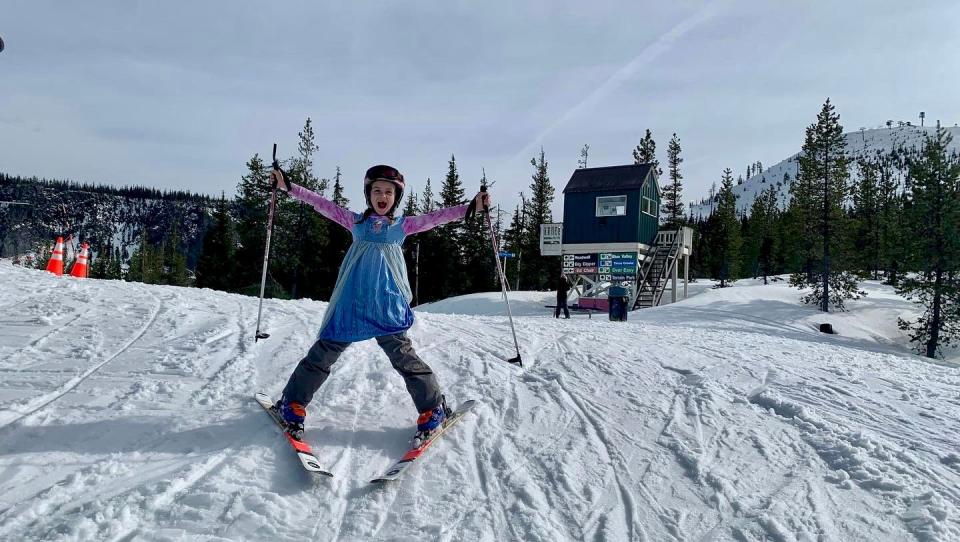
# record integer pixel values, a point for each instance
(419, 223)
(323, 206)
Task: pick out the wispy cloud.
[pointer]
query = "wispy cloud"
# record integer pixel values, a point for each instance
(629, 70)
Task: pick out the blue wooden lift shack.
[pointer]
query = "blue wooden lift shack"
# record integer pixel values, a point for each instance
(610, 236)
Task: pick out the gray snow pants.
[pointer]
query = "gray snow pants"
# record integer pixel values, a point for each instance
(314, 369)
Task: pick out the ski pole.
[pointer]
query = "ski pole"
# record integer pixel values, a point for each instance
(266, 250)
(503, 279)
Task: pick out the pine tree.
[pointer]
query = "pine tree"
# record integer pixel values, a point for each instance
(338, 196)
(216, 263)
(727, 232)
(802, 214)
(137, 266)
(538, 271)
(890, 218)
(479, 273)
(43, 251)
(411, 247)
(114, 267)
(865, 217)
(799, 238)
(672, 192)
(449, 239)
(512, 241)
(287, 238)
(303, 165)
(251, 205)
(700, 257)
(427, 204)
(174, 264)
(451, 191)
(305, 236)
(412, 207)
(823, 189)
(339, 239)
(584, 154)
(425, 246)
(934, 223)
(646, 153)
(146, 263)
(99, 266)
(761, 246)
(750, 242)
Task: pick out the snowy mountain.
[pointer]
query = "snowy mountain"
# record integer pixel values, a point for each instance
(859, 143)
(126, 413)
(35, 211)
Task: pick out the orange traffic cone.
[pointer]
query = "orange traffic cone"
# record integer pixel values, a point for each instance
(55, 265)
(80, 268)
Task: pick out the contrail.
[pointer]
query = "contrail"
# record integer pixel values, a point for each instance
(652, 51)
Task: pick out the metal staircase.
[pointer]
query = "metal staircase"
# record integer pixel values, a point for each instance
(656, 272)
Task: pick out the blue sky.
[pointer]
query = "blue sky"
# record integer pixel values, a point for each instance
(179, 95)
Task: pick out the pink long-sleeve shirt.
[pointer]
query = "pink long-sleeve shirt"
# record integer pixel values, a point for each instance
(372, 295)
(346, 218)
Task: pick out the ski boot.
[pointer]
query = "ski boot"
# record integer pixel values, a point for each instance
(430, 421)
(293, 415)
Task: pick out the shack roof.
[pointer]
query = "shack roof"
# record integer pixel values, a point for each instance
(597, 179)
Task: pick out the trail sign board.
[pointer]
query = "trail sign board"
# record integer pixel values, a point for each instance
(581, 264)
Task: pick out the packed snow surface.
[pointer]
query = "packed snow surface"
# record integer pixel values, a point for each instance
(126, 413)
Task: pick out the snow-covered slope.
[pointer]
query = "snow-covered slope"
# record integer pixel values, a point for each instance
(859, 143)
(126, 414)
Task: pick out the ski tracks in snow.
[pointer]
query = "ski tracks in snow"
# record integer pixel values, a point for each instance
(38, 403)
(612, 431)
(533, 421)
(123, 478)
(143, 448)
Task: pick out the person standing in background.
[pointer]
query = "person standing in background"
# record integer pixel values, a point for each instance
(562, 287)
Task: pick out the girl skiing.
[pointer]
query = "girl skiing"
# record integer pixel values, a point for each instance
(371, 298)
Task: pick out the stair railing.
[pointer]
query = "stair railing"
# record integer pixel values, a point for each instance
(657, 287)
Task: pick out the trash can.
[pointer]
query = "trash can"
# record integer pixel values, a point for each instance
(618, 297)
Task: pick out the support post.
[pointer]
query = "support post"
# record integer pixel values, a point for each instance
(673, 288)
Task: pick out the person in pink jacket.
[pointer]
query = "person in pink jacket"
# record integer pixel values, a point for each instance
(371, 298)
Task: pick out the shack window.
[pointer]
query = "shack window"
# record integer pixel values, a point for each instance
(649, 206)
(612, 206)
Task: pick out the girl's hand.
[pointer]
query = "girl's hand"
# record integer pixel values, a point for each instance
(481, 200)
(277, 179)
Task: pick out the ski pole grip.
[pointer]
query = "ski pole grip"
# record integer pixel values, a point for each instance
(276, 165)
(483, 190)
